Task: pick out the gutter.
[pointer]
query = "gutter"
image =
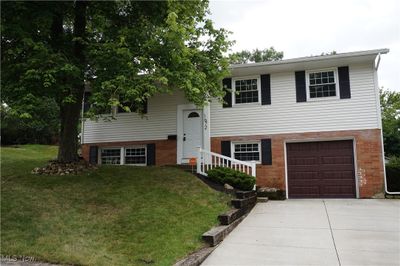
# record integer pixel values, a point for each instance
(312, 58)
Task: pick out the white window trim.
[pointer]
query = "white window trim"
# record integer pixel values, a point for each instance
(234, 90)
(233, 143)
(335, 74)
(122, 154)
(121, 158)
(136, 147)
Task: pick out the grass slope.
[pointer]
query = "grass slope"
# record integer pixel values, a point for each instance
(117, 215)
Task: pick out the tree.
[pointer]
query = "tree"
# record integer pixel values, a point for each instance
(245, 56)
(39, 124)
(126, 51)
(390, 110)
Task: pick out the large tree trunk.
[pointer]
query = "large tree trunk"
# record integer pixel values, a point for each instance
(70, 112)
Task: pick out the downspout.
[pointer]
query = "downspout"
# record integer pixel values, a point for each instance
(380, 125)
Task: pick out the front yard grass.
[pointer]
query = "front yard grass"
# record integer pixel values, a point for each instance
(116, 215)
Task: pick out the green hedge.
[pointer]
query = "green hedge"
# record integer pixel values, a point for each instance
(236, 179)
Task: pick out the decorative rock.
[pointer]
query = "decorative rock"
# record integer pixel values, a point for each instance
(228, 187)
(56, 168)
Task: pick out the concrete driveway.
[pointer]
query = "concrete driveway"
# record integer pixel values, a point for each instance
(315, 232)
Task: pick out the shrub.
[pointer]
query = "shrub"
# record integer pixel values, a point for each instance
(236, 179)
(393, 174)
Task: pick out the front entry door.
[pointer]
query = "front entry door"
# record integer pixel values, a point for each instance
(192, 133)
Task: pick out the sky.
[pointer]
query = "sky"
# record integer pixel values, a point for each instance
(311, 27)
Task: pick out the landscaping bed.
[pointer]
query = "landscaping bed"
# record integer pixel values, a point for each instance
(115, 215)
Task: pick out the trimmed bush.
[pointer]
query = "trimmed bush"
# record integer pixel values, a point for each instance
(236, 179)
(393, 174)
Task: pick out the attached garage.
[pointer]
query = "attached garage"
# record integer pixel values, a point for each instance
(322, 169)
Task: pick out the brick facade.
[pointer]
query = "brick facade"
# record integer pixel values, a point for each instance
(165, 149)
(368, 157)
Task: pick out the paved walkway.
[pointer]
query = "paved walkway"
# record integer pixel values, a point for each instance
(315, 232)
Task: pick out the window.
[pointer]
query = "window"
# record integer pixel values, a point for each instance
(130, 155)
(193, 114)
(111, 156)
(246, 151)
(322, 84)
(246, 91)
(135, 155)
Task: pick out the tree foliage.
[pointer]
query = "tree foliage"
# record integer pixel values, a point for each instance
(255, 56)
(38, 124)
(126, 51)
(390, 110)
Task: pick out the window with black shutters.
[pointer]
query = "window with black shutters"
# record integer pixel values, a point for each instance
(135, 155)
(249, 151)
(246, 91)
(322, 84)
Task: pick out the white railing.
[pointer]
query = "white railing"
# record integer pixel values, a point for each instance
(207, 160)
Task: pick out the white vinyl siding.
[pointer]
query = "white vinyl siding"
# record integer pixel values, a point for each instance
(285, 115)
(157, 124)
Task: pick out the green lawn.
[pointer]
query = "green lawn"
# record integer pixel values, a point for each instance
(117, 215)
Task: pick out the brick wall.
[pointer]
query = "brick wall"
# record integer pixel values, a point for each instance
(165, 149)
(368, 157)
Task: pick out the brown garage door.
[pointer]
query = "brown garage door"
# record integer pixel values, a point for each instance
(321, 169)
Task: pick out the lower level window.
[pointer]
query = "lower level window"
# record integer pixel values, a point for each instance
(247, 151)
(111, 156)
(136, 155)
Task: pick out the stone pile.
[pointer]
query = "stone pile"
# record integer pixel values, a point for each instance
(57, 168)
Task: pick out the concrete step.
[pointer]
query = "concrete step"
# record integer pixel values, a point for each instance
(217, 234)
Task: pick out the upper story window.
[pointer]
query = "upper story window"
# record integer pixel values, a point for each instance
(322, 84)
(246, 151)
(246, 91)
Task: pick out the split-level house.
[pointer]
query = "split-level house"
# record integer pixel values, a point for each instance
(310, 125)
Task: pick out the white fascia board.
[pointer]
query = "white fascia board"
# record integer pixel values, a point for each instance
(313, 58)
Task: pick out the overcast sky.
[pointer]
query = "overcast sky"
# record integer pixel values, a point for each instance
(310, 27)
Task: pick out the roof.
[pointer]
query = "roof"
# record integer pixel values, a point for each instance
(307, 62)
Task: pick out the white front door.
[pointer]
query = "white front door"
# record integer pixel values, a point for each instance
(192, 133)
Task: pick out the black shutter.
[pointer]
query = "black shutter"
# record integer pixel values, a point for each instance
(145, 106)
(93, 154)
(266, 152)
(344, 82)
(301, 94)
(227, 85)
(265, 89)
(151, 154)
(226, 148)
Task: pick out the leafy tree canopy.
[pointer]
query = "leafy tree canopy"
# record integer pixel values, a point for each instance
(255, 56)
(390, 110)
(126, 51)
